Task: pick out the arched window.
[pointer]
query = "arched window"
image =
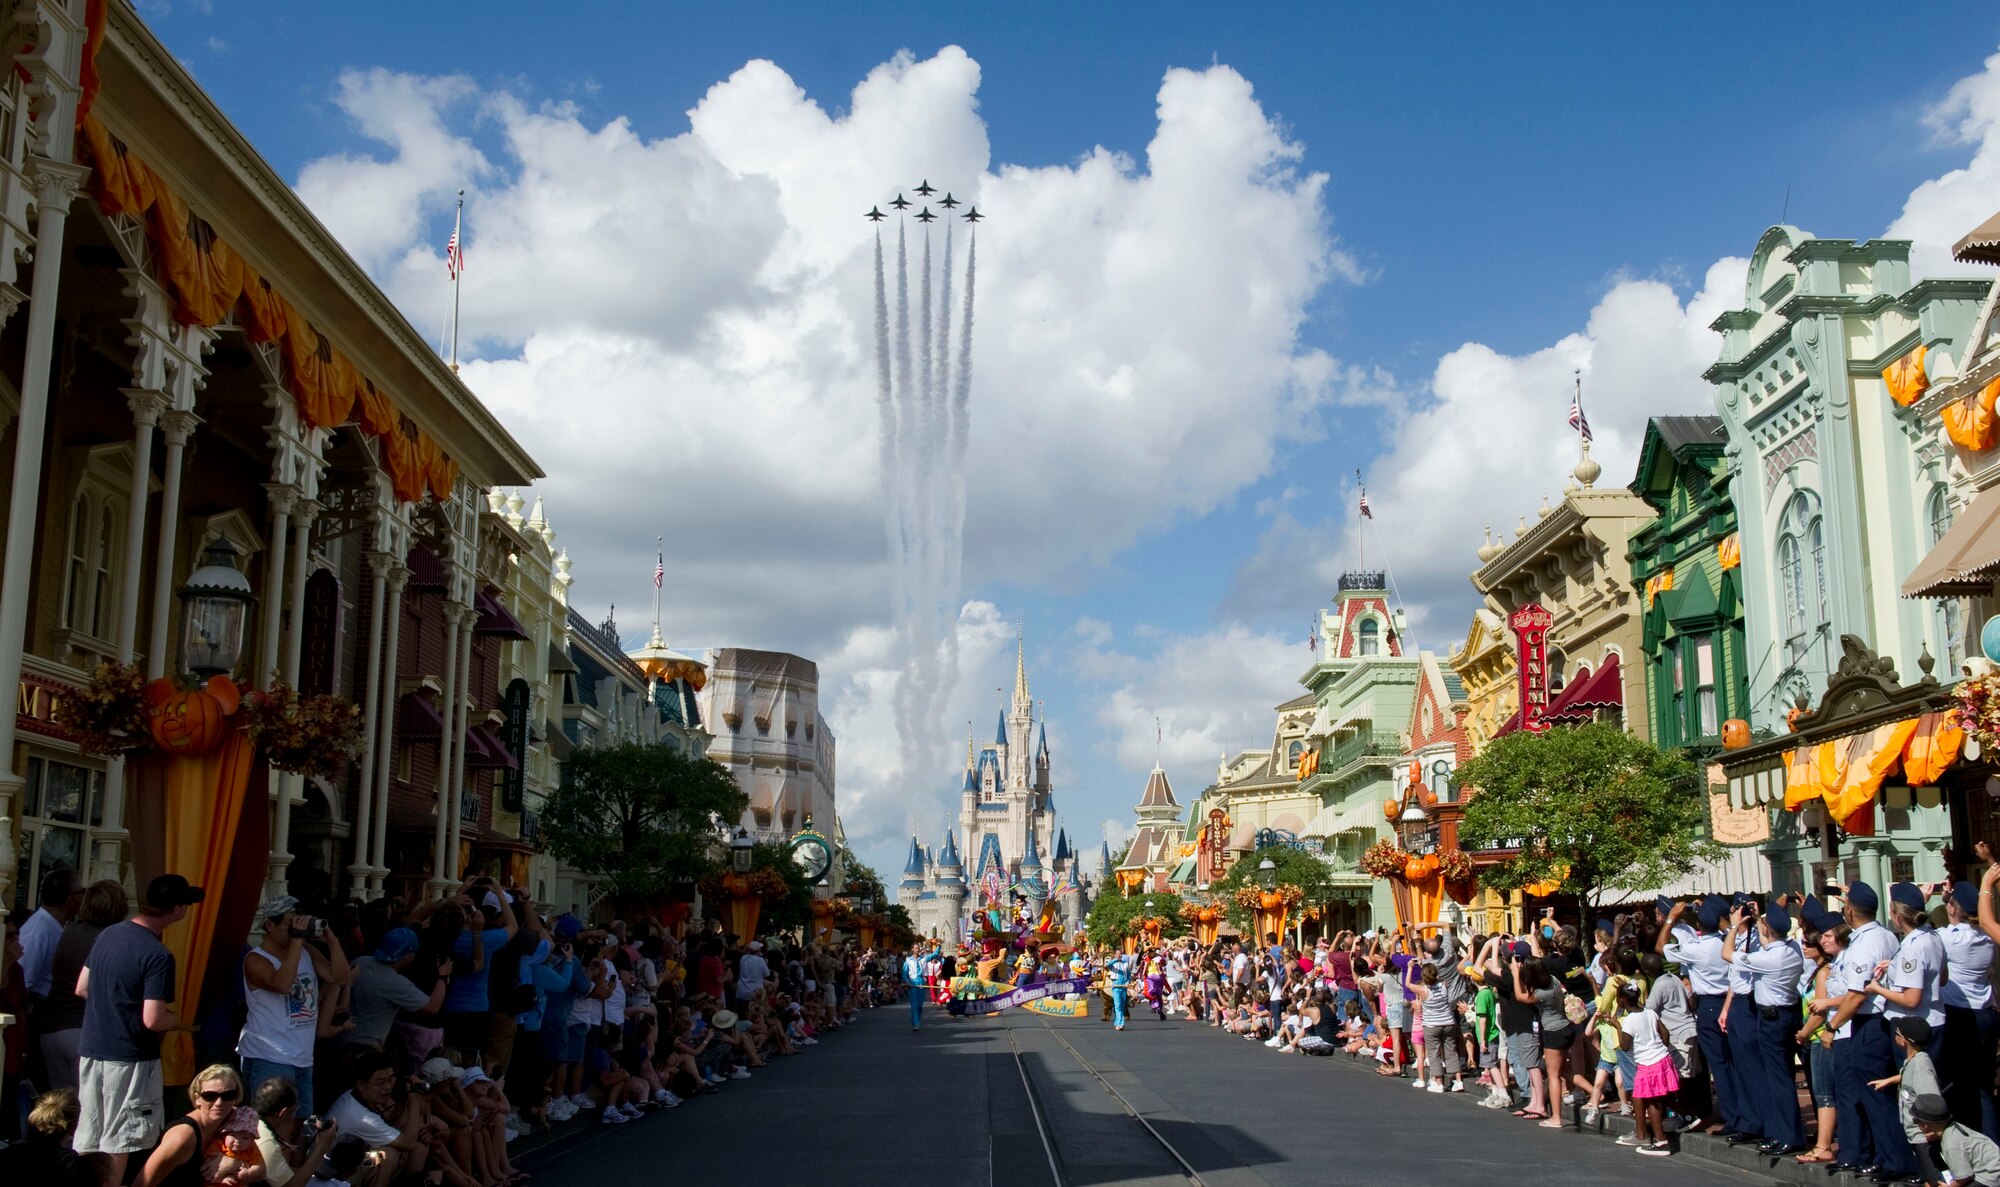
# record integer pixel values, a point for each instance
(1556, 662)
(1369, 638)
(1802, 542)
(1441, 781)
(1292, 755)
(1948, 613)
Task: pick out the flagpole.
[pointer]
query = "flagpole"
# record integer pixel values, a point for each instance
(457, 273)
(1360, 528)
(659, 579)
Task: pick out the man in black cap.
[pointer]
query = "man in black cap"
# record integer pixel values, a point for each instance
(1862, 1050)
(1970, 1156)
(1773, 968)
(127, 987)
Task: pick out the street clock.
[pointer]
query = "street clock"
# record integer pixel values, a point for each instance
(812, 853)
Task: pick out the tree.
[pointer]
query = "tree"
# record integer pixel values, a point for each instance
(642, 817)
(1295, 866)
(794, 911)
(1111, 916)
(861, 878)
(1591, 809)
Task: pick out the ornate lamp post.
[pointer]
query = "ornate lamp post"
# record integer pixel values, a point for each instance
(1271, 909)
(215, 606)
(744, 903)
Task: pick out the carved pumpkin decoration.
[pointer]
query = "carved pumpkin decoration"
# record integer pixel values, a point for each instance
(1206, 915)
(1413, 869)
(1735, 734)
(189, 723)
(1270, 899)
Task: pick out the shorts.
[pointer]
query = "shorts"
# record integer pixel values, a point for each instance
(575, 1036)
(1559, 1040)
(1628, 1068)
(123, 1111)
(1489, 1055)
(1523, 1051)
(1399, 1015)
(1819, 1060)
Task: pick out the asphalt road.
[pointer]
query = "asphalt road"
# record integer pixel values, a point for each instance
(877, 1105)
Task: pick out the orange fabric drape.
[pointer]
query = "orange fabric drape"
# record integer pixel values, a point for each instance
(1969, 422)
(87, 78)
(1802, 782)
(1427, 898)
(1658, 584)
(209, 280)
(1729, 551)
(206, 800)
(1906, 378)
(1933, 747)
(1870, 757)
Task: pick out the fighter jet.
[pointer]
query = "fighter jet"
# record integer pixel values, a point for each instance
(926, 189)
(874, 214)
(925, 215)
(972, 215)
(900, 202)
(949, 201)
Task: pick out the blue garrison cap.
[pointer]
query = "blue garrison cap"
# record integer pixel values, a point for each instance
(1966, 895)
(1907, 894)
(1523, 950)
(1779, 921)
(1862, 897)
(1606, 925)
(1814, 914)
(1663, 905)
(1708, 915)
(1741, 899)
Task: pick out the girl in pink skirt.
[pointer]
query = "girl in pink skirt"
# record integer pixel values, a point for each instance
(1645, 1036)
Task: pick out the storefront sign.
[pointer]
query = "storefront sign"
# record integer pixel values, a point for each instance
(35, 706)
(1737, 826)
(1531, 635)
(1215, 838)
(514, 736)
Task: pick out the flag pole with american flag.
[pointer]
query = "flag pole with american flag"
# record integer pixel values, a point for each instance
(1577, 420)
(1361, 529)
(454, 263)
(659, 583)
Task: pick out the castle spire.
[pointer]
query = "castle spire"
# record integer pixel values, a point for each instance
(1023, 705)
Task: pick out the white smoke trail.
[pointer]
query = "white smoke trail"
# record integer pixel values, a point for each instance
(923, 528)
(961, 429)
(945, 570)
(885, 412)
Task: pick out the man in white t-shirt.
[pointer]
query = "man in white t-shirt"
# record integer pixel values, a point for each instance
(1239, 974)
(358, 1112)
(282, 977)
(752, 972)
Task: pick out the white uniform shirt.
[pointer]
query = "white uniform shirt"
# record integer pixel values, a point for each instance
(1739, 977)
(1774, 973)
(1700, 957)
(1968, 962)
(1918, 964)
(1870, 945)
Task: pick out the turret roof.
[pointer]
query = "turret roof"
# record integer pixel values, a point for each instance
(1033, 858)
(1062, 846)
(913, 869)
(948, 860)
(1159, 793)
(1000, 735)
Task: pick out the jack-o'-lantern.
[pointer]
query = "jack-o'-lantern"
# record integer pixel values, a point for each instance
(1390, 810)
(1413, 869)
(1270, 899)
(190, 722)
(1206, 915)
(1735, 734)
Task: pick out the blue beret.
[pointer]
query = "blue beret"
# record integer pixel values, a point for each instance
(1862, 897)
(1779, 921)
(1907, 894)
(1708, 917)
(1966, 895)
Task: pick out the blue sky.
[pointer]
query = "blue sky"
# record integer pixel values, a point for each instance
(1514, 184)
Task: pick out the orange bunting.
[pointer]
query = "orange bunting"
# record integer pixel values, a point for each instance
(210, 281)
(1906, 378)
(1969, 422)
(1729, 551)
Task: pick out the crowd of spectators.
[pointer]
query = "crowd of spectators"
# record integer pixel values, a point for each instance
(381, 1043)
(1862, 1039)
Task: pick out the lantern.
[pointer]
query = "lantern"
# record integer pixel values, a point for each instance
(1735, 734)
(740, 851)
(216, 604)
(1267, 873)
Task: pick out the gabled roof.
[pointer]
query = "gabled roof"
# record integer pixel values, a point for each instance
(1678, 438)
(989, 855)
(1302, 701)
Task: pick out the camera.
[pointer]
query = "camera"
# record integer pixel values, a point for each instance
(314, 929)
(309, 1130)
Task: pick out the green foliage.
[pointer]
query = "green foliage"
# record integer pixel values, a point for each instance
(862, 878)
(1593, 808)
(794, 911)
(1301, 869)
(1110, 918)
(642, 817)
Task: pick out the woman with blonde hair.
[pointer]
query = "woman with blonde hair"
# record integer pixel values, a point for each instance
(214, 1093)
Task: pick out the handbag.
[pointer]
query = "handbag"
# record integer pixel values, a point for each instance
(1574, 1009)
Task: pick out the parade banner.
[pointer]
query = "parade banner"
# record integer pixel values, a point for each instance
(1027, 995)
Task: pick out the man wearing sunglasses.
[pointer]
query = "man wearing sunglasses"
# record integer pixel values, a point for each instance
(127, 987)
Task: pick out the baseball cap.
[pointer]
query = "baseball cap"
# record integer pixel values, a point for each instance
(1915, 1031)
(276, 908)
(397, 943)
(168, 891)
(490, 903)
(754, 946)
(476, 1075)
(568, 926)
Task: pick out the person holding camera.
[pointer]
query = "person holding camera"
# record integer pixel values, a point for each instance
(292, 1144)
(282, 980)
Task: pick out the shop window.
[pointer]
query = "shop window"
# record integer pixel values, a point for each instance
(1368, 638)
(1292, 754)
(1902, 869)
(59, 804)
(1706, 723)
(1802, 542)
(1441, 782)
(1677, 681)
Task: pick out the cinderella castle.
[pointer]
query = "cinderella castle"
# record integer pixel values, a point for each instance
(1006, 814)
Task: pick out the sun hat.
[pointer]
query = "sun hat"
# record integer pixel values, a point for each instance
(724, 1020)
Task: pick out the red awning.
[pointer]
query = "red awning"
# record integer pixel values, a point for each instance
(494, 618)
(417, 719)
(1509, 726)
(485, 751)
(1602, 689)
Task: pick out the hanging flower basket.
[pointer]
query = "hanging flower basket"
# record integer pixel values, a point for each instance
(1978, 711)
(1454, 865)
(314, 735)
(107, 716)
(1383, 860)
(1461, 890)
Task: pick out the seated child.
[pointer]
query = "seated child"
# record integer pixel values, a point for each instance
(233, 1156)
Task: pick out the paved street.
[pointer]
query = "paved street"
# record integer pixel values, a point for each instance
(879, 1105)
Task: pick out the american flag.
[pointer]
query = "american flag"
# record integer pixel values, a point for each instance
(1577, 420)
(454, 256)
(660, 571)
(1312, 641)
(1365, 512)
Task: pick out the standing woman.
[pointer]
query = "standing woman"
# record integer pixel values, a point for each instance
(1971, 1027)
(1825, 995)
(1533, 985)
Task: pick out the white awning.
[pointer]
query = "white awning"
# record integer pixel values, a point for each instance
(1759, 785)
(1338, 818)
(1743, 869)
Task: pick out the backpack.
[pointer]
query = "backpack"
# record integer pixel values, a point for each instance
(1574, 1009)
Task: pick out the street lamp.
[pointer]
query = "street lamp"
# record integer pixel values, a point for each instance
(1149, 906)
(1267, 873)
(216, 605)
(740, 851)
(864, 904)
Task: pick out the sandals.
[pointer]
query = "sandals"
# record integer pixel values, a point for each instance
(1814, 1156)
(1551, 1125)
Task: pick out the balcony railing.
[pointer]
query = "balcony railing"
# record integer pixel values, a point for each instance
(1361, 745)
(1364, 579)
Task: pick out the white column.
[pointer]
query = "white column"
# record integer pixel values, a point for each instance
(175, 428)
(440, 875)
(458, 726)
(56, 186)
(371, 712)
(291, 786)
(268, 656)
(385, 745)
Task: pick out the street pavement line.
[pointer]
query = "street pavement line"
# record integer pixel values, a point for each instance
(1187, 1167)
(1035, 1108)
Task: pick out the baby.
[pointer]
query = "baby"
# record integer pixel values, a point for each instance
(233, 1158)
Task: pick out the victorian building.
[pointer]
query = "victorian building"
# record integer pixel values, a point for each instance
(1840, 482)
(1257, 793)
(763, 707)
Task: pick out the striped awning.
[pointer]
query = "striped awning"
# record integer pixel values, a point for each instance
(1758, 785)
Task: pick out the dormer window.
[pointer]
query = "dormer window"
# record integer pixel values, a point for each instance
(1368, 638)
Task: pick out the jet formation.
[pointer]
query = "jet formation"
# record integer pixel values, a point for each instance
(924, 214)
